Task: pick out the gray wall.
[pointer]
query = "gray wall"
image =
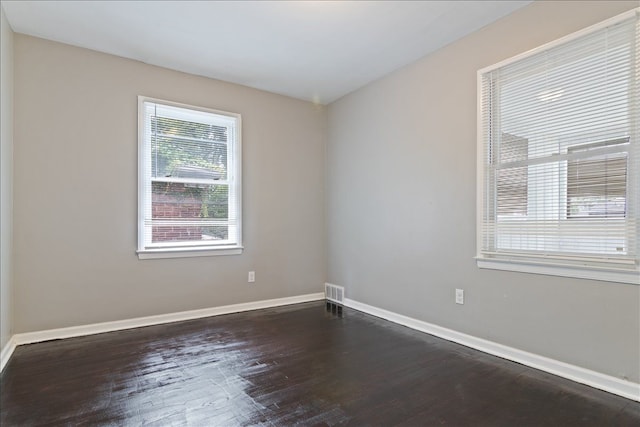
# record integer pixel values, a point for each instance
(401, 187)
(76, 193)
(6, 177)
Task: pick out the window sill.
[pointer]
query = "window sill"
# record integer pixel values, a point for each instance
(188, 252)
(607, 274)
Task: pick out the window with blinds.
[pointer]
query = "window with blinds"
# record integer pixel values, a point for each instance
(559, 156)
(189, 181)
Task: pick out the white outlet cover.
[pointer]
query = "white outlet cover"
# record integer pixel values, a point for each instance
(459, 296)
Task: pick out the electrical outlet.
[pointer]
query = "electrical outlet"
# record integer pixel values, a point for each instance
(252, 277)
(459, 296)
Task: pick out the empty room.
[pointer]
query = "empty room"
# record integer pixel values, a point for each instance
(235, 213)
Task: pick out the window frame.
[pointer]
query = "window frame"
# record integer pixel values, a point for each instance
(196, 248)
(601, 269)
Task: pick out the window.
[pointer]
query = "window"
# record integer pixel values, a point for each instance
(559, 157)
(189, 181)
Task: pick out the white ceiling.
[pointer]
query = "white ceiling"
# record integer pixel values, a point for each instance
(312, 50)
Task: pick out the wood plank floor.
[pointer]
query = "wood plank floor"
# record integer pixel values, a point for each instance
(293, 365)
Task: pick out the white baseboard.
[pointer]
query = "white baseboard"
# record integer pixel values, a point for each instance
(594, 379)
(98, 328)
(6, 352)
(608, 383)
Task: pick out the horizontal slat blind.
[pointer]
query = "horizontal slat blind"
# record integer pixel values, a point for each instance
(561, 151)
(191, 183)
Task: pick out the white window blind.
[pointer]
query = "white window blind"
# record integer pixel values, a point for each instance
(189, 183)
(559, 148)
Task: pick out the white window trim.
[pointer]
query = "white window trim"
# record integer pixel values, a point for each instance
(197, 249)
(188, 252)
(562, 270)
(553, 267)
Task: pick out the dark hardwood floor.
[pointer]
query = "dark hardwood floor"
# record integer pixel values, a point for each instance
(293, 365)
